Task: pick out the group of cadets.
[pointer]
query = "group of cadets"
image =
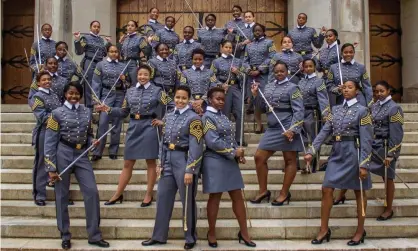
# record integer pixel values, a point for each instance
(179, 96)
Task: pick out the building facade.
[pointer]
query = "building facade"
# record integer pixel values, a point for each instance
(387, 41)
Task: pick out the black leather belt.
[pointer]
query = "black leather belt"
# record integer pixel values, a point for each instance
(277, 109)
(380, 136)
(174, 147)
(117, 88)
(344, 138)
(309, 107)
(96, 60)
(72, 145)
(138, 116)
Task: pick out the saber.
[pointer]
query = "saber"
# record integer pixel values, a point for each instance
(39, 44)
(27, 59)
(85, 73)
(185, 210)
(314, 55)
(271, 109)
(88, 33)
(161, 158)
(232, 63)
(386, 175)
(316, 133)
(361, 182)
(81, 155)
(397, 175)
(113, 86)
(241, 32)
(339, 64)
(194, 14)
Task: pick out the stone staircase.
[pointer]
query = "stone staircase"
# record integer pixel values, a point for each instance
(25, 226)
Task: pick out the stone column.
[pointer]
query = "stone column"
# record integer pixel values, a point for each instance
(409, 43)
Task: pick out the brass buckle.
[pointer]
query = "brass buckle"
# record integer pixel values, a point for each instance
(197, 97)
(171, 146)
(303, 53)
(338, 138)
(137, 116)
(78, 146)
(232, 82)
(184, 67)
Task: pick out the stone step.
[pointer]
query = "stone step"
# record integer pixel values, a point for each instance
(28, 150)
(300, 192)
(25, 117)
(17, 227)
(24, 176)
(248, 127)
(275, 163)
(392, 244)
(16, 108)
(295, 210)
(250, 138)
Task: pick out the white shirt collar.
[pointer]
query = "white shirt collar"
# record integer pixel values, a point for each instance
(168, 28)
(351, 62)
(91, 33)
(261, 38)
(182, 110)
(251, 25)
(287, 49)
(145, 86)
(131, 34)
(312, 75)
(211, 109)
(43, 89)
(70, 106)
(225, 56)
(333, 44)
(53, 74)
(301, 27)
(152, 21)
(213, 28)
(63, 59)
(44, 38)
(160, 58)
(283, 81)
(110, 60)
(385, 100)
(350, 102)
(191, 40)
(201, 67)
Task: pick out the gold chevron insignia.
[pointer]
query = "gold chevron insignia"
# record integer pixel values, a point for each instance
(397, 118)
(296, 94)
(208, 126)
(330, 75)
(37, 102)
(97, 72)
(321, 87)
(367, 120)
(365, 76)
(196, 129)
(52, 123)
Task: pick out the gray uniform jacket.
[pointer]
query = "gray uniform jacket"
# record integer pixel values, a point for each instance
(303, 39)
(211, 39)
(47, 47)
(199, 81)
(327, 57)
(105, 76)
(292, 60)
(152, 27)
(58, 84)
(182, 54)
(164, 74)
(258, 55)
(67, 69)
(166, 36)
(88, 44)
(222, 65)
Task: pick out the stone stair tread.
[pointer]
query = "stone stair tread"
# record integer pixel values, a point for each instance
(340, 244)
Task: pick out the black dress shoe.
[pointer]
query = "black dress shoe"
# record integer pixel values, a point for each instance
(40, 203)
(342, 200)
(260, 131)
(101, 243)
(211, 244)
(113, 156)
(189, 245)
(66, 244)
(327, 237)
(267, 196)
(280, 203)
(356, 243)
(146, 204)
(120, 199)
(95, 158)
(247, 243)
(151, 242)
(381, 218)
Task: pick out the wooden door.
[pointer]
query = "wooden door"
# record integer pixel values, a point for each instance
(271, 13)
(385, 44)
(17, 35)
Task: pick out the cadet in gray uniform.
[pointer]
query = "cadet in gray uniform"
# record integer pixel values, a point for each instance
(258, 55)
(167, 35)
(153, 25)
(141, 103)
(231, 25)
(292, 59)
(286, 99)
(47, 47)
(245, 35)
(42, 103)
(351, 70)
(220, 168)
(349, 161)
(210, 38)
(304, 37)
(182, 54)
(58, 82)
(228, 71)
(164, 74)
(87, 45)
(104, 79)
(388, 122)
(181, 157)
(199, 79)
(132, 46)
(66, 67)
(68, 134)
(328, 55)
(316, 103)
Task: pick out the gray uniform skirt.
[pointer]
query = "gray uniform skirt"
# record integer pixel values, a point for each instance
(273, 140)
(343, 168)
(220, 174)
(377, 166)
(141, 140)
